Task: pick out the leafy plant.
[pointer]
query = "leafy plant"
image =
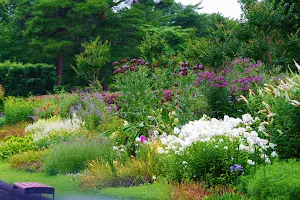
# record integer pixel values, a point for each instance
(277, 181)
(31, 161)
(13, 145)
(212, 150)
(129, 172)
(278, 106)
(73, 156)
(91, 60)
(17, 109)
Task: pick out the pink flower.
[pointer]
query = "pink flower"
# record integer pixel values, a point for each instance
(143, 139)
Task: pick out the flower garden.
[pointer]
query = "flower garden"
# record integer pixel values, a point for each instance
(195, 132)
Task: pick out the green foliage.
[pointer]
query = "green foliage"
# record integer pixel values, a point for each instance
(17, 109)
(156, 191)
(270, 31)
(214, 51)
(31, 161)
(205, 161)
(22, 79)
(110, 124)
(73, 157)
(153, 48)
(226, 196)
(92, 59)
(274, 105)
(58, 104)
(129, 172)
(132, 173)
(277, 181)
(13, 145)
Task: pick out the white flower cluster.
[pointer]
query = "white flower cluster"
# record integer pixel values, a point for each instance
(206, 129)
(44, 127)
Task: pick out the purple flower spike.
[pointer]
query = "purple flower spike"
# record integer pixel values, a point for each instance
(72, 110)
(79, 106)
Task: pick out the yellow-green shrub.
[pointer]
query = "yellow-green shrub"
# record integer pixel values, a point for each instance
(31, 161)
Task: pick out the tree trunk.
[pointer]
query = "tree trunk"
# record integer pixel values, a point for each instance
(59, 68)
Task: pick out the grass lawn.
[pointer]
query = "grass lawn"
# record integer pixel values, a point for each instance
(160, 191)
(63, 186)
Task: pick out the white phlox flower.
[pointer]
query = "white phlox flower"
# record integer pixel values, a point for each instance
(206, 130)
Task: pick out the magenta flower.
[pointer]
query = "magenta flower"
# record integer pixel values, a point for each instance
(143, 138)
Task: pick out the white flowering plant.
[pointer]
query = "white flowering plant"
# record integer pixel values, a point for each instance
(48, 131)
(207, 148)
(278, 107)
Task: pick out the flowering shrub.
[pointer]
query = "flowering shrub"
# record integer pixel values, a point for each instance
(93, 109)
(206, 129)
(45, 112)
(278, 105)
(223, 87)
(44, 128)
(213, 149)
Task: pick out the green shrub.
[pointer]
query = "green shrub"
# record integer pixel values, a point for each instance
(17, 109)
(72, 157)
(2, 121)
(22, 79)
(278, 181)
(278, 106)
(131, 173)
(206, 161)
(31, 161)
(143, 168)
(13, 145)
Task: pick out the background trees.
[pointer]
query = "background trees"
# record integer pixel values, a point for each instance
(42, 31)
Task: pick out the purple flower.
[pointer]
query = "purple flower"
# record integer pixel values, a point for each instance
(36, 110)
(115, 63)
(200, 66)
(34, 117)
(72, 110)
(98, 113)
(79, 106)
(236, 168)
(92, 105)
(141, 61)
(109, 108)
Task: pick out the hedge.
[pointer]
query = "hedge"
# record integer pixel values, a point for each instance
(22, 79)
